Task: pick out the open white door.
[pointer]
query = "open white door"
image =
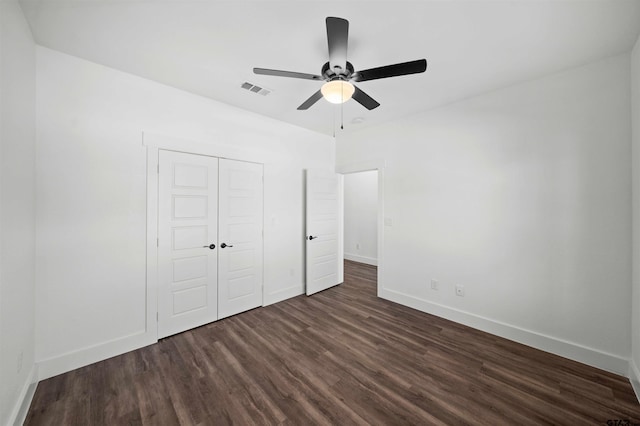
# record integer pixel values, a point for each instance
(240, 255)
(187, 234)
(324, 211)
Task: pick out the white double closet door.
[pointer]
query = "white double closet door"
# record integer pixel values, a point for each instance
(209, 239)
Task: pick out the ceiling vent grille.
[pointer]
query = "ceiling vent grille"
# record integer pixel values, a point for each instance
(255, 89)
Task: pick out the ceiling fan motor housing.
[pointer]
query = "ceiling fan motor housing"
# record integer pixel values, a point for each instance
(329, 74)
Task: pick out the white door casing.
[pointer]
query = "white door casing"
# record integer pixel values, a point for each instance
(187, 225)
(240, 227)
(323, 239)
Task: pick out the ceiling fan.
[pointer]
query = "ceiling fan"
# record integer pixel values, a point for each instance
(338, 72)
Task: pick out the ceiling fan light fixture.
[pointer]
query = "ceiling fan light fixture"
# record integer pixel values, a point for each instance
(337, 91)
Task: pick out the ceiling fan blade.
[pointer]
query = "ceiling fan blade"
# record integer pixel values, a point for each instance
(405, 68)
(365, 100)
(291, 74)
(338, 38)
(312, 100)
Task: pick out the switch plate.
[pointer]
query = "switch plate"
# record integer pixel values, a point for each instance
(435, 285)
(459, 290)
(388, 221)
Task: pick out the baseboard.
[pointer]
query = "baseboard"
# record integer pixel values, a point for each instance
(20, 410)
(79, 358)
(361, 259)
(70, 361)
(566, 349)
(284, 294)
(634, 378)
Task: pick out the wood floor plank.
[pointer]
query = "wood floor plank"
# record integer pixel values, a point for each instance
(340, 357)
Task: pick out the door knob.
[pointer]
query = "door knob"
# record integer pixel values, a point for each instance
(211, 246)
(311, 237)
(223, 245)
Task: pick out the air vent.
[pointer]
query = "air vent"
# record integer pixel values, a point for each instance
(255, 89)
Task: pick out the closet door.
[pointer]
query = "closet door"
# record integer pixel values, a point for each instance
(187, 241)
(240, 226)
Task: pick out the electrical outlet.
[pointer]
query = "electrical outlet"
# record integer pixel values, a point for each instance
(460, 290)
(435, 285)
(357, 246)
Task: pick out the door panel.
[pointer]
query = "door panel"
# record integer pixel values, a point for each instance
(323, 230)
(240, 227)
(187, 224)
(192, 207)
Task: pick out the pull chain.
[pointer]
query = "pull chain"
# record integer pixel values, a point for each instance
(333, 115)
(342, 106)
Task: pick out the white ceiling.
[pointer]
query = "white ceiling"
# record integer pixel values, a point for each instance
(210, 47)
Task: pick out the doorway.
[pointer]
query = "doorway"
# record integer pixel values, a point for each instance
(375, 236)
(361, 217)
(377, 167)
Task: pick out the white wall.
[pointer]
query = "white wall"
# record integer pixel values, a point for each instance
(17, 199)
(91, 218)
(361, 217)
(522, 196)
(635, 124)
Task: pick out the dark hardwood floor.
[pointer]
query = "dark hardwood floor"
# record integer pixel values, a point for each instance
(340, 357)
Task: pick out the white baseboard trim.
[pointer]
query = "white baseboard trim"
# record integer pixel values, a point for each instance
(20, 410)
(79, 358)
(634, 378)
(361, 259)
(566, 349)
(284, 294)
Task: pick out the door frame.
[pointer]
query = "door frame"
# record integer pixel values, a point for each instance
(154, 143)
(367, 166)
